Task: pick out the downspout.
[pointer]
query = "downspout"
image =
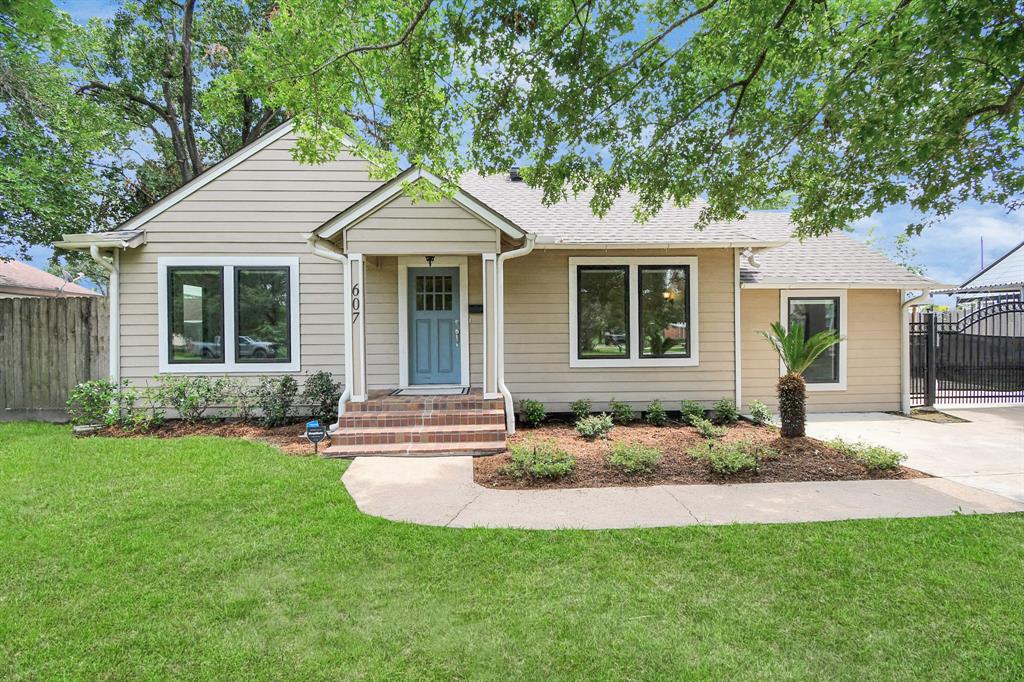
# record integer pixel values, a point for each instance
(325, 249)
(736, 331)
(499, 317)
(112, 266)
(905, 347)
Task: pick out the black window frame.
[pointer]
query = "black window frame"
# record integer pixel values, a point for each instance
(626, 307)
(837, 362)
(223, 359)
(640, 309)
(277, 359)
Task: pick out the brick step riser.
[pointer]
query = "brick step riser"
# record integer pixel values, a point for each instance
(414, 450)
(369, 453)
(388, 406)
(383, 420)
(417, 437)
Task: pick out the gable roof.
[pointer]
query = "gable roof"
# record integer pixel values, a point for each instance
(22, 278)
(1007, 270)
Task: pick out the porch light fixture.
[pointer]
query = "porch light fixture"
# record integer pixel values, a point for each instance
(430, 261)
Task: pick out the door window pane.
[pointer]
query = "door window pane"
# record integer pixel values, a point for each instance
(603, 310)
(665, 311)
(262, 302)
(817, 315)
(196, 311)
(438, 292)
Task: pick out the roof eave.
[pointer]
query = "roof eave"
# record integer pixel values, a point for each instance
(554, 243)
(80, 242)
(920, 285)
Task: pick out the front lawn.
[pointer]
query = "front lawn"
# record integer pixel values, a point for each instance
(209, 558)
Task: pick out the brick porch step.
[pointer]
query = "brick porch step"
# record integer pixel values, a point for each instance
(384, 435)
(415, 449)
(398, 418)
(425, 403)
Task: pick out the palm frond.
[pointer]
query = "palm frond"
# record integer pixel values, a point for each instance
(798, 353)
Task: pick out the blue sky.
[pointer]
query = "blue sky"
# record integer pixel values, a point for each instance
(949, 251)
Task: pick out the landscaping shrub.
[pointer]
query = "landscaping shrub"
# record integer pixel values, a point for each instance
(594, 426)
(91, 402)
(190, 396)
(633, 458)
(321, 392)
(581, 408)
(132, 417)
(726, 412)
(760, 413)
(871, 456)
(706, 428)
(728, 458)
(275, 397)
(241, 400)
(691, 409)
(539, 460)
(532, 412)
(621, 412)
(655, 414)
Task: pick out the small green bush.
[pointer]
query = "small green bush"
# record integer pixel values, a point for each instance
(92, 403)
(691, 410)
(706, 428)
(726, 412)
(871, 456)
(241, 400)
(321, 392)
(655, 414)
(622, 413)
(275, 397)
(633, 458)
(760, 413)
(539, 460)
(190, 396)
(594, 426)
(136, 418)
(581, 408)
(532, 412)
(728, 458)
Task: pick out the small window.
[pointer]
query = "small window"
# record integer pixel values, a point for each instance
(603, 312)
(196, 312)
(262, 314)
(665, 311)
(816, 315)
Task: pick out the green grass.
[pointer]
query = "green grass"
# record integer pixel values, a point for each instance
(218, 559)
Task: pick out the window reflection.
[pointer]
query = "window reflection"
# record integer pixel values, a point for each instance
(664, 311)
(196, 314)
(817, 315)
(603, 310)
(262, 299)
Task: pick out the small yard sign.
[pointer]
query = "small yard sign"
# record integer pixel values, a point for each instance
(315, 433)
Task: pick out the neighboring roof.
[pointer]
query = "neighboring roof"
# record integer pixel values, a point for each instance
(122, 239)
(23, 279)
(833, 260)
(393, 187)
(572, 222)
(1006, 270)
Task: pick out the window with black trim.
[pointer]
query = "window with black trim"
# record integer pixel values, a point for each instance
(262, 314)
(195, 315)
(817, 314)
(602, 310)
(664, 311)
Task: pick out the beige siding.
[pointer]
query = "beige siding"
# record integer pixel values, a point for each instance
(873, 352)
(264, 206)
(537, 338)
(402, 227)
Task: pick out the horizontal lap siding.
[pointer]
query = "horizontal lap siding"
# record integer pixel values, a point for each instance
(402, 227)
(263, 207)
(537, 338)
(873, 352)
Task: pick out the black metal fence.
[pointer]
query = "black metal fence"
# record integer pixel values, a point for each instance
(968, 356)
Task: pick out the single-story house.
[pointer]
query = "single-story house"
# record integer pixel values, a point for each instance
(21, 280)
(262, 266)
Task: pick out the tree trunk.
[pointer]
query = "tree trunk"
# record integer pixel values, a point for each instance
(792, 405)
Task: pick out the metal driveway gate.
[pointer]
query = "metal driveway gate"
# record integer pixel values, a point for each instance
(973, 356)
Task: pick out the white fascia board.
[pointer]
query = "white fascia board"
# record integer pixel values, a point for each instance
(75, 242)
(909, 286)
(552, 243)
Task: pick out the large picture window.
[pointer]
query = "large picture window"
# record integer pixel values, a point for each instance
(228, 314)
(627, 312)
(818, 311)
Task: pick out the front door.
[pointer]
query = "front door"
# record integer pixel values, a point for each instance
(434, 334)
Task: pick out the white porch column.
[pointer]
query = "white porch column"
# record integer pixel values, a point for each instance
(356, 343)
(490, 298)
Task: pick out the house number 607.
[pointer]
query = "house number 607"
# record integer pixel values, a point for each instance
(355, 302)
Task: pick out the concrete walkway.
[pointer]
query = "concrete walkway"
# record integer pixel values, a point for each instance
(986, 451)
(441, 492)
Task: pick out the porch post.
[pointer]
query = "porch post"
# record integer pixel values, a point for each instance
(357, 341)
(490, 298)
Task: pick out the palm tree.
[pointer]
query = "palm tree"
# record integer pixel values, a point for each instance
(797, 354)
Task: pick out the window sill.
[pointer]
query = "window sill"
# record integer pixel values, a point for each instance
(815, 388)
(231, 368)
(634, 362)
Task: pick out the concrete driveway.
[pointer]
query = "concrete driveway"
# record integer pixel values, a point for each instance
(986, 452)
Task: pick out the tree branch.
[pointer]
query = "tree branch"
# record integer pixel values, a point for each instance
(138, 99)
(1002, 109)
(187, 85)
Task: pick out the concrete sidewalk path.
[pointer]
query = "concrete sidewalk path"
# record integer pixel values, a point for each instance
(440, 492)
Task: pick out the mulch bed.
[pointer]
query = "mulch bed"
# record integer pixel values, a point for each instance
(800, 459)
(287, 438)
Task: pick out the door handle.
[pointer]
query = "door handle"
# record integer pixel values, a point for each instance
(458, 332)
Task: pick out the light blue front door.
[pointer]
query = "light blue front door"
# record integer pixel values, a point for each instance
(434, 334)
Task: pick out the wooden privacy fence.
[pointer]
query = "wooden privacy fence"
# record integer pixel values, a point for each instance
(47, 345)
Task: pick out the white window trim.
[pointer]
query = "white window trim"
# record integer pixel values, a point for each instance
(784, 296)
(634, 359)
(229, 365)
(406, 262)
